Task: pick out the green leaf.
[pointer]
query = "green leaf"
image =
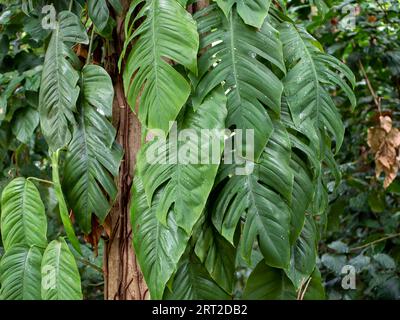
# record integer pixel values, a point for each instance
(93, 157)
(188, 179)
(315, 290)
(302, 195)
(23, 218)
(253, 12)
(158, 248)
(217, 256)
(116, 4)
(59, 91)
(167, 33)
(260, 199)
(25, 123)
(311, 74)
(192, 282)
(60, 275)
(232, 55)
(98, 13)
(266, 283)
(20, 276)
(304, 255)
(69, 228)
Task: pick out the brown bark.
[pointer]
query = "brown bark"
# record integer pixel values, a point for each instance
(123, 279)
(122, 276)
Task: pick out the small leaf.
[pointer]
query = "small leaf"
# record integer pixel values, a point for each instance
(98, 13)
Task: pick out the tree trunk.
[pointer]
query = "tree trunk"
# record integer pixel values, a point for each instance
(123, 279)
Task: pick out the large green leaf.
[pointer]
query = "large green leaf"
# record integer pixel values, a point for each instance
(167, 33)
(93, 158)
(262, 200)
(60, 275)
(59, 90)
(23, 218)
(20, 277)
(266, 283)
(311, 74)
(158, 247)
(306, 169)
(188, 179)
(99, 13)
(304, 254)
(192, 282)
(253, 12)
(218, 257)
(233, 54)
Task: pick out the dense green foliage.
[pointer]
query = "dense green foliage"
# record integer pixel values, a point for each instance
(282, 230)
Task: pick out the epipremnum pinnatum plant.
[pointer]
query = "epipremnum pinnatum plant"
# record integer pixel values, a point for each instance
(194, 224)
(224, 64)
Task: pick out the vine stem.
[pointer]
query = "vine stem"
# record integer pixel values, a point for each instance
(377, 99)
(391, 236)
(90, 46)
(70, 5)
(40, 180)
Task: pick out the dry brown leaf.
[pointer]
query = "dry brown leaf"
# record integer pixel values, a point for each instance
(384, 141)
(94, 237)
(386, 123)
(376, 136)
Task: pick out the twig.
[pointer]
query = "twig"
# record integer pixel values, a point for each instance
(303, 288)
(40, 180)
(377, 99)
(89, 264)
(90, 46)
(391, 236)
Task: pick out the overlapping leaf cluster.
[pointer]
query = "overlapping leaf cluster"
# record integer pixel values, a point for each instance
(73, 103)
(194, 224)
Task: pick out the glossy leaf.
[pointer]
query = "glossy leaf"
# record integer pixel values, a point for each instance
(259, 198)
(23, 218)
(188, 179)
(168, 33)
(93, 158)
(59, 90)
(98, 13)
(267, 283)
(158, 247)
(304, 254)
(20, 277)
(217, 256)
(192, 282)
(231, 55)
(310, 74)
